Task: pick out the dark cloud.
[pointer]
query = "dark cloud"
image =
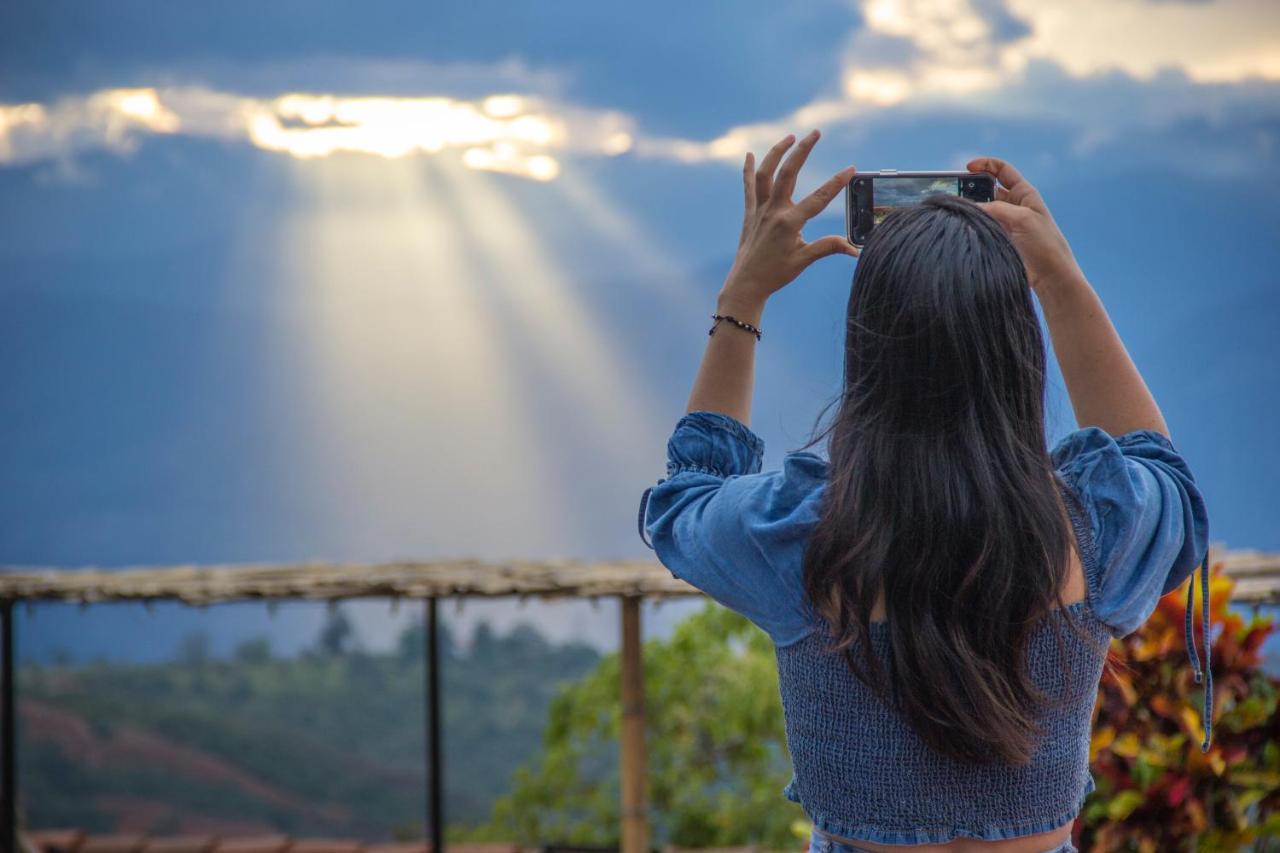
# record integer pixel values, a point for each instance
(1005, 26)
(689, 71)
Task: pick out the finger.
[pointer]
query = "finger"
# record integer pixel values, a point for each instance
(817, 201)
(749, 195)
(790, 170)
(764, 175)
(1006, 173)
(1021, 192)
(825, 246)
(1002, 193)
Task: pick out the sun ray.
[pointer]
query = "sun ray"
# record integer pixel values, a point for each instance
(403, 358)
(541, 296)
(639, 251)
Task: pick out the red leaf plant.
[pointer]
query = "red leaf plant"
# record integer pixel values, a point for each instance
(1156, 790)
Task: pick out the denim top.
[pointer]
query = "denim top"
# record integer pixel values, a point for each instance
(739, 535)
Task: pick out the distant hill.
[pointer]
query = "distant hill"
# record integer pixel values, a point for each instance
(327, 743)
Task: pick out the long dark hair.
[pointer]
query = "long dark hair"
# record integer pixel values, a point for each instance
(941, 493)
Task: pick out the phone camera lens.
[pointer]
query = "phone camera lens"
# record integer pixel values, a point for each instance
(971, 185)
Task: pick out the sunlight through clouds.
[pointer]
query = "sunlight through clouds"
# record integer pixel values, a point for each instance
(999, 58)
(428, 315)
(541, 294)
(497, 135)
(405, 362)
(515, 134)
(638, 251)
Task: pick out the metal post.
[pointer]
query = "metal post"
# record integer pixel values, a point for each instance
(635, 794)
(435, 813)
(8, 771)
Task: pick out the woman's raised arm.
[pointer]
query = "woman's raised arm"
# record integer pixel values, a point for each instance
(1105, 386)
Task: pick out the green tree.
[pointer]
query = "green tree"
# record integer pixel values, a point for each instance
(412, 643)
(715, 742)
(336, 634)
(255, 650)
(193, 650)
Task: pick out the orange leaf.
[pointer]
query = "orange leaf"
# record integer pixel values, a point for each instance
(1102, 739)
(1126, 745)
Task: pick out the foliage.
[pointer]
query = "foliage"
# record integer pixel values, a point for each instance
(344, 732)
(716, 745)
(716, 752)
(1156, 789)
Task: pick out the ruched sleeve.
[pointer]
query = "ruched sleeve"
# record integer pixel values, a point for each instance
(1150, 529)
(734, 532)
(1148, 518)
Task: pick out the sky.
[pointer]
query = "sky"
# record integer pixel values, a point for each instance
(368, 281)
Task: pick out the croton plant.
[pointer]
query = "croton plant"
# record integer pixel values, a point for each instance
(1156, 790)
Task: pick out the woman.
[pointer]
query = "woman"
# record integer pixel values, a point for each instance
(942, 591)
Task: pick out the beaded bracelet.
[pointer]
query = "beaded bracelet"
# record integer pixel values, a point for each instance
(735, 321)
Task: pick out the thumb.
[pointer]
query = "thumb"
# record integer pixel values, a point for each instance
(824, 246)
(1003, 212)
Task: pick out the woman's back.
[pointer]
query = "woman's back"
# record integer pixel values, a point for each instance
(937, 672)
(860, 771)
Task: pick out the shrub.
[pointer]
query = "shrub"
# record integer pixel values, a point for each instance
(1156, 790)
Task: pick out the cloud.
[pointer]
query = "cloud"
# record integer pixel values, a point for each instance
(1033, 59)
(512, 133)
(1100, 68)
(112, 119)
(1229, 41)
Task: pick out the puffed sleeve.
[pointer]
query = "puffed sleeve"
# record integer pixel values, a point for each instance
(734, 532)
(1150, 530)
(1147, 515)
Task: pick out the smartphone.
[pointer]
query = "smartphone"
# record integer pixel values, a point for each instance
(870, 196)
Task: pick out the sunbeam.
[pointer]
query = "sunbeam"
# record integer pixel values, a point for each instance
(401, 355)
(638, 251)
(541, 295)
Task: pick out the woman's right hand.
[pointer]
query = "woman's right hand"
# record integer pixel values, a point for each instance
(1024, 216)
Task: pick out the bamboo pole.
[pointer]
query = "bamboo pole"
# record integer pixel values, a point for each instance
(8, 724)
(435, 762)
(635, 794)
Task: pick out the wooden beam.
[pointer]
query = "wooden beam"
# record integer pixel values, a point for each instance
(1257, 575)
(193, 584)
(635, 793)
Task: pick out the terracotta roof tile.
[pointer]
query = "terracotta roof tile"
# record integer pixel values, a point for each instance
(75, 841)
(180, 844)
(402, 847)
(122, 843)
(57, 840)
(325, 845)
(255, 844)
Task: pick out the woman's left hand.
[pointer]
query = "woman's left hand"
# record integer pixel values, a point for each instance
(771, 250)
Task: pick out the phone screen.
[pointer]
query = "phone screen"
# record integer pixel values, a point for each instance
(891, 193)
(871, 197)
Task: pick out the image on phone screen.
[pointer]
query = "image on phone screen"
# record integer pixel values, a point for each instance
(902, 192)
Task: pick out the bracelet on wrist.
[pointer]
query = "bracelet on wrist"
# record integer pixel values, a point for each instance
(735, 321)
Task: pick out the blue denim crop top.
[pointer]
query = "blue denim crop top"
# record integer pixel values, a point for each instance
(859, 771)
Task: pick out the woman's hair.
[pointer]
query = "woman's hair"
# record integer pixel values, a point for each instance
(941, 493)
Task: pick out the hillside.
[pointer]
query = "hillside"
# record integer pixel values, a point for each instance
(327, 743)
